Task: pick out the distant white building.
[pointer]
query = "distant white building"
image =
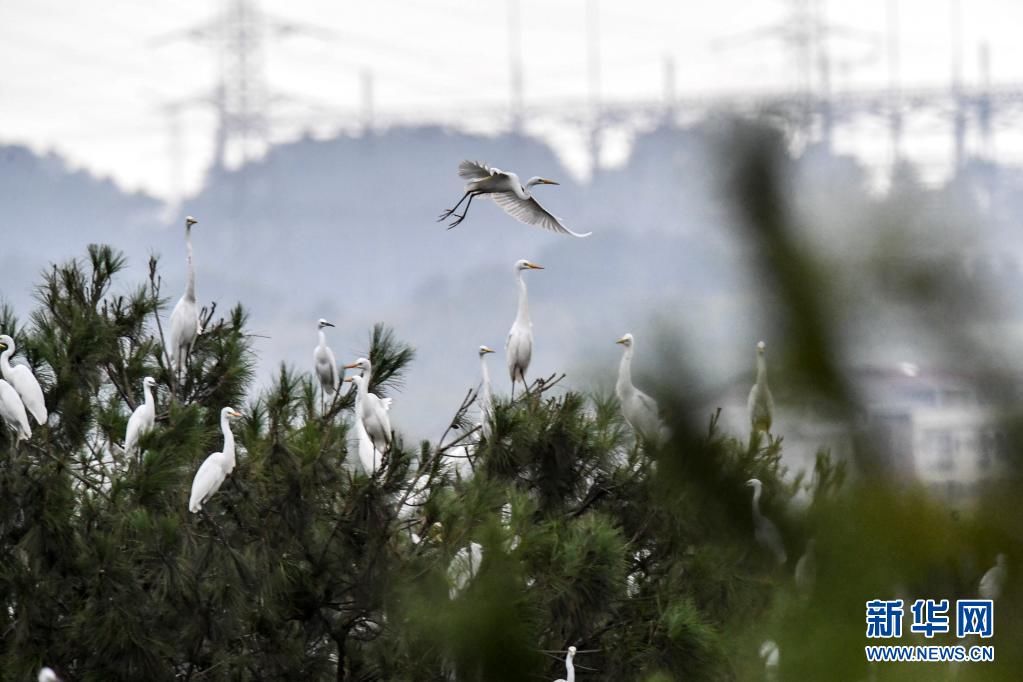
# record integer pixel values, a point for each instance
(936, 428)
(931, 427)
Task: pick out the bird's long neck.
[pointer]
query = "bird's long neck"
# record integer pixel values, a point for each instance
(520, 191)
(323, 339)
(523, 314)
(225, 426)
(756, 503)
(569, 669)
(625, 372)
(359, 388)
(190, 285)
(5, 359)
(761, 370)
(147, 391)
(485, 388)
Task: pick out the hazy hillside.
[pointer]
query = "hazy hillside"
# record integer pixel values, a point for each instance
(51, 212)
(345, 229)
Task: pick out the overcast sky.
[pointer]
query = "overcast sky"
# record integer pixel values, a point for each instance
(90, 79)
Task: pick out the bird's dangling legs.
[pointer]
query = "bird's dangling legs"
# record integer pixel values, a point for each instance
(448, 212)
(459, 218)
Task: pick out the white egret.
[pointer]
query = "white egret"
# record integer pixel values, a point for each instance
(23, 381)
(486, 396)
(416, 499)
(806, 569)
(506, 520)
(639, 409)
(216, 467)
(324, 362)
(433, 534)
(366, 449)
(770, 655)
(372, 412)
(569, 666)
(761, 403)
(47, 675)
(142, 419)
(184, 319)
(463, 568)
(507, 192)
(519, 345)
(632, 581)
(764, 530)
(994, 580)
(13, 411)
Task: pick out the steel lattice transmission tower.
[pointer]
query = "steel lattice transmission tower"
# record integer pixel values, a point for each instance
(242, 96)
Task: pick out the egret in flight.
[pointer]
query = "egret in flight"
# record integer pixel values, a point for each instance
(371, 411)
(486, 397)
(217, 466)
(569, 666)
(519, 346)
(13, 411)
(324, 362)
(994, 580)
(142, 419)
(639, 409)
(761, 403)
(23, 381)
(507, 192)
(764, 529)
(463, 568)
(184, 320)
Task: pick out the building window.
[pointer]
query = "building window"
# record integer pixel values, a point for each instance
(943, 448)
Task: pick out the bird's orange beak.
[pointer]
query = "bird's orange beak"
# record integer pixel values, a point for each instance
(348, 380)
(354, 365)
(549, 182)
(534, 266)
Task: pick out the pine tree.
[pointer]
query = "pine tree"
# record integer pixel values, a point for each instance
(302, 566)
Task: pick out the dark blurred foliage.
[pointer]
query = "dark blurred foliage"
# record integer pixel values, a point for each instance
(304, 567)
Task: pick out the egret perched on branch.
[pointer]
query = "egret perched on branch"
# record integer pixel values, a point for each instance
(486, 396)
(463, 568)
(994, 580)
(761, 403)
(770, 655)
(324, 362)
(23, 381)
(184, 319)
(47, 675)
(519, 346)
(416, 499)
(639, 409)
(142, 419)
(506, 520)
(217, 466)
(372, 412)
(764, 529)
(806, 569)
(507, 192)
(367, 451)
(569, 666)
(13, 411)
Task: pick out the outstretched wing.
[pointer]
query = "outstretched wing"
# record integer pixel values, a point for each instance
(474, 170)
(530, 211)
